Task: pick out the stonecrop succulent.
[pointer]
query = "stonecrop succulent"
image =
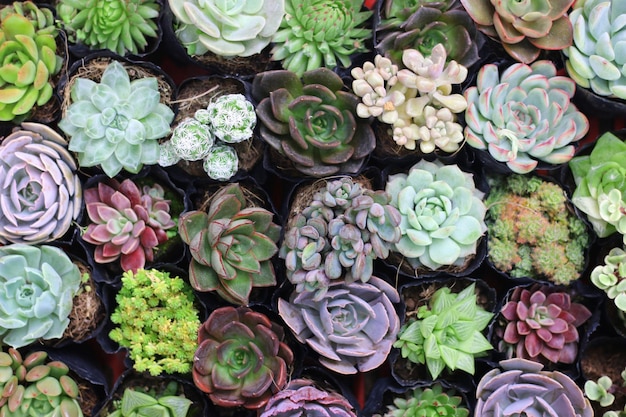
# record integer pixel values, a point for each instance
(226, 28)
(231, 245)
(312, 121)
(35, 386)
(126, 222)
(116, 123)
(540, 323)
(442, 214)
(446, 333)
(427, 401)
(41, 194)
(37, 286)
(135, 403)
(122, 26)
(352, 326)
(524, 115)
(596, 58)
(241, 360)
(611, 277)
(320, 33)
(523, 388)
(524, 28)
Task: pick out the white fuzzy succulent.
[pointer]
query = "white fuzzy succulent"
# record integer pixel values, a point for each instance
(221, 163)
(191, 140)
(232, 118)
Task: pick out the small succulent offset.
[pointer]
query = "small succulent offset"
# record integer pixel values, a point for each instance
(524, 115)
(312, 121)
(231, 245)
(141, 404)
(525, 28)
(34, 386)
(427, 401)
(121, 26)
(41, 194)
(231, 118)
(442, 214)
(320, 33)
(116, 123)
(596, 59)
(37, 286)
(221, 163)
(600, 391)
(156, 320)
(523, 388)
(446, 333)
(352, 327)
(225, 28)
(611, 277)
(241, 359)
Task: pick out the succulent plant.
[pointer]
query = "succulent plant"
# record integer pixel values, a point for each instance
(396, 12)
(141, 404)
(312, 121)
(446, 333)
(29, 59)
(228, 29)
(524, 28)
(231, 245)
(231, 117)
(352, 327)
(600, 391)
(524, 115)
(34, 386)
(428, 401)
(221, 163)
(611, 277)
(442, 214)
(540, 323)
(600, 179)
(37, 286)
(302, 397)
(126, 222)
(116, 123)
(122, 26)
(241, 360)
(595, 60)
(523, 388)
(191, 139)
(320, 33)
(41, 193)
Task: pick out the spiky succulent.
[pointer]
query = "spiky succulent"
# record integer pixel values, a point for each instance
(41, 193)
(312, 121)
(352, 326)
(222, 162)
(320, 33)
(116, 123)
(35, 386)
(231, 245)
(122, 26)
(241, 360)
(611, 277)
(428, 401)
(524, 115)
(231, 117)
(191, 139)
(135, 403)
(37, 286)
(126, 222)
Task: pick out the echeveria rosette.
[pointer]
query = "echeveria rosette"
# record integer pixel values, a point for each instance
(427, 401)
(526, 27)
(523, 388)
(610, 276)
(524, 115)
(396, 12)
(320, 33)
(116, 123)
(241, 360)
(226, 28)
(41, 194)
(442, 214)
(37, 286)
(352, 326)
(312, 121)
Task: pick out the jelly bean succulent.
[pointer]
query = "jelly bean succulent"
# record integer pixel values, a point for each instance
(442, 215)
(230, 29)
(320, 33)
(312, 121)
(524, 115)
(135, 403)
(610, 276)
(352, 326)
(35, 386)
(37, 286)
(126, 222)
(122, 26)
(427, 401)
(116, 123)
(596, 58)
(241, 359)
(231, 244)
(524, 28)
(41, 193)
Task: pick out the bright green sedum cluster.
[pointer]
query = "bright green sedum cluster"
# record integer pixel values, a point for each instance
(427, 402)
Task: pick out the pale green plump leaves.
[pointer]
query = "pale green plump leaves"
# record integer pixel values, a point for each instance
(139, 404)
(611, 277)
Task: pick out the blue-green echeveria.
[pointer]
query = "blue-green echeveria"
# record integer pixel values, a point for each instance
(442, 214)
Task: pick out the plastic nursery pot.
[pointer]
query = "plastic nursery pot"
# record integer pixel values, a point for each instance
(595, 105)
